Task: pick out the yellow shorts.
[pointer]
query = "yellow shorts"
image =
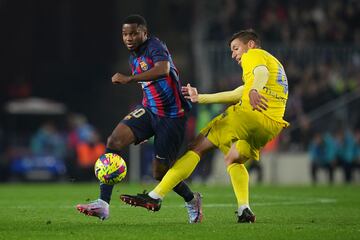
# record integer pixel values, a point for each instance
(249, 129)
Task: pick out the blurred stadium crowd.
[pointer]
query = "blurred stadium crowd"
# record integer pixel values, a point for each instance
(317, 41)
(329, 151)
(290, 22)
(52, 152)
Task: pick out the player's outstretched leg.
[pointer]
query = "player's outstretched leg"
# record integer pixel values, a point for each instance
(192, 200)
(97, 208)
(181, 170)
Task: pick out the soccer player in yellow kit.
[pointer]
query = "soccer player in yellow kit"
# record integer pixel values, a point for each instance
(255, 118)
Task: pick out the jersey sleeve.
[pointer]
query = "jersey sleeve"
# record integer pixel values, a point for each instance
(252, 59)
(158, 51)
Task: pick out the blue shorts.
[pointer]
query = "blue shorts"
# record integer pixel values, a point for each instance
(168, 132)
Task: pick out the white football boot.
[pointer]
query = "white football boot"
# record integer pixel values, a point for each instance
(194, 208)
(98, 208)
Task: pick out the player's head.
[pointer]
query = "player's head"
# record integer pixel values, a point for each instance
(134, 31)
(242, 41)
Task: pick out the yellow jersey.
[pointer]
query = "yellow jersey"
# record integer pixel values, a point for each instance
(276, 88)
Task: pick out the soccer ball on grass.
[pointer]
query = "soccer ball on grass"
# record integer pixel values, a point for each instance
(110, 168)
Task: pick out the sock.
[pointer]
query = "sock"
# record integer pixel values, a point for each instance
(242, 208)
(181, 170)
(240, 181)
(154, 195)
(105, 192)
(183, 190)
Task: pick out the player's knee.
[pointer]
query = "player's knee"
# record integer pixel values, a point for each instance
(192, 145)
(196, 147)
(197, 151)
(230, 159)
(114, 142)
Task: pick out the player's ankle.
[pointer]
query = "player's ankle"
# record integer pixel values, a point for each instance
(242, 207)
(154, 195)
(193, 200)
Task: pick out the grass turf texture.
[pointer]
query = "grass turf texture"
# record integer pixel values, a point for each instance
(47, 211)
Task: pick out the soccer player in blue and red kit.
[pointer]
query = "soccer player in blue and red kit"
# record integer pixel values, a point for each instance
(161, 114)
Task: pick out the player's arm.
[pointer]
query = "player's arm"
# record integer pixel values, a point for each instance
(192, 94)
(261, 76)
(160, 69)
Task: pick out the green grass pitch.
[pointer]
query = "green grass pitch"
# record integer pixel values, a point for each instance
(47, 211)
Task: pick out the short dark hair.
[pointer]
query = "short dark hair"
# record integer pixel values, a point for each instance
(135, 19)
(245, 36)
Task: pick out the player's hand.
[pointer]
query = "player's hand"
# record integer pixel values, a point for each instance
(257, 101)
(190, 93)
(119, 78)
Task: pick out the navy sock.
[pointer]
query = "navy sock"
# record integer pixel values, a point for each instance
(183, 190)
(105, 192)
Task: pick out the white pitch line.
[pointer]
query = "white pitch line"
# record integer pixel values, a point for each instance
(306, 202)
(210, 205)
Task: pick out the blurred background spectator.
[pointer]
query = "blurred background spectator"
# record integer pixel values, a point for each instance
(346, 148)
(87, 152)
(48, 141)
(323, 153)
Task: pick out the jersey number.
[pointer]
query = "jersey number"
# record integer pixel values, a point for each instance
(281, 79)
(136, 113)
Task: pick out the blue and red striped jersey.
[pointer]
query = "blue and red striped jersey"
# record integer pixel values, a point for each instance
(163, 95)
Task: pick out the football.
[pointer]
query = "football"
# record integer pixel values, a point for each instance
(110, 168)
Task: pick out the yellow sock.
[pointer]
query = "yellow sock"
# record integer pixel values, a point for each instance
(180, 171)
(240, 181)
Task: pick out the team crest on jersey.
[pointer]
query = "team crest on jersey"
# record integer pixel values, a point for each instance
(144, 66)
